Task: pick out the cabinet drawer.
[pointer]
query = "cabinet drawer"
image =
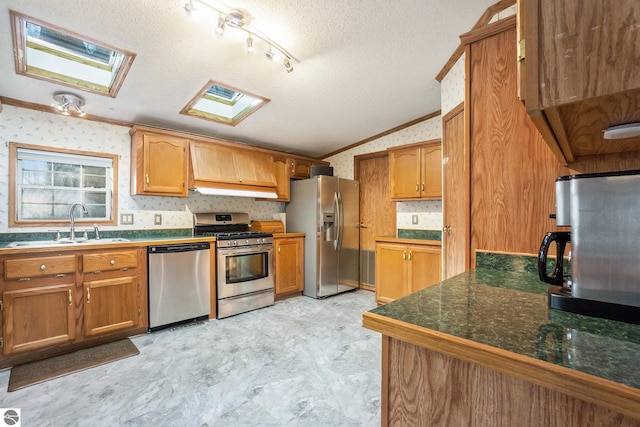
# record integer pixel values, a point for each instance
(109, 261)
(20, 268)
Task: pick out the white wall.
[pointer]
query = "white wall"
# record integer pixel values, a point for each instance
(47, 129)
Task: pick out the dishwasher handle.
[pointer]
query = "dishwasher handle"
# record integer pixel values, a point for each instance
(178, 247)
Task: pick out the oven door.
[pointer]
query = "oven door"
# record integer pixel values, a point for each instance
(244, 270)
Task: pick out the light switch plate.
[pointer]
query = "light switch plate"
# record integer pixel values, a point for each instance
(157, 219)
(414, 219)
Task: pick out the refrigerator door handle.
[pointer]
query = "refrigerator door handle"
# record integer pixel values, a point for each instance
(340, 222)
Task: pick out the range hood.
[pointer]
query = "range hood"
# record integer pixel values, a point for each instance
(223, 170)
(212, 191)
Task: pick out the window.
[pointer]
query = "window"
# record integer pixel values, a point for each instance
(223, 104)
(48, 182)
(47, 52)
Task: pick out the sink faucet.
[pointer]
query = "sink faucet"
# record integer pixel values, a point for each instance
(72, 234)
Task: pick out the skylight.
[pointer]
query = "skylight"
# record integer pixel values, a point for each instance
(223, 104)
(46, 52)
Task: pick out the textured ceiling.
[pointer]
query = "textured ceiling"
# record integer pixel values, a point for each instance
(365, 66)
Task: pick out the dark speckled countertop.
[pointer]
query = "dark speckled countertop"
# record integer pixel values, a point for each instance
(508, 310)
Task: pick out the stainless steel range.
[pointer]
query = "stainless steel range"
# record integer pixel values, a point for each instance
(244, 262)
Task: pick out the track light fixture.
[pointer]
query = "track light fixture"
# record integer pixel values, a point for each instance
(241, 19)
(250, 47)
(68, 103)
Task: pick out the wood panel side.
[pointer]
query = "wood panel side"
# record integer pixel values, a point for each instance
(426, 388)
(512, 169)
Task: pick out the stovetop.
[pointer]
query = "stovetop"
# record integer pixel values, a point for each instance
(230, 226)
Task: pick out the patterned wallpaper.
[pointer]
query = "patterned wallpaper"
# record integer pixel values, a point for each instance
(39, 128)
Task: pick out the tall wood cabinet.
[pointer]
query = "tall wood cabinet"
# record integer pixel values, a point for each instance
(512, 172)
(158, 163)
(415, 171)
(403, 268)
(579, 63)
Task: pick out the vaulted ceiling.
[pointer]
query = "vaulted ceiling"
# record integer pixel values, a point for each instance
(360, 67)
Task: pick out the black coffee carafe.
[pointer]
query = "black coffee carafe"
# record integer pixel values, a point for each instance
(561, 238)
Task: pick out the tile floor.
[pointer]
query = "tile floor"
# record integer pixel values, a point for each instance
(301, 362)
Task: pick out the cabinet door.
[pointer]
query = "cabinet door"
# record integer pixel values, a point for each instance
(110, 305)
(425, 266)
(253, 168)
(289, 265)
(404, 173)
(391, 277)
(431, 171)
(38, 317)
(300, 169)
(164, 164)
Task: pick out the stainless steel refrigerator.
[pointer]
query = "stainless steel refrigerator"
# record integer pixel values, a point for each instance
(326, 209)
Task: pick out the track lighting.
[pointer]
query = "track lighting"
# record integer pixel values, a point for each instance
(241, 19)
(190, 8)
(287, 64)
(250, 47)
(221, 24)
(272, 55)
(68, 103)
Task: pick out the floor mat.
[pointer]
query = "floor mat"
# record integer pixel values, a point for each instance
(54, 367)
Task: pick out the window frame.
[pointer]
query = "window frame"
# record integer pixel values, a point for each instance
(13, 183)
(18, 24)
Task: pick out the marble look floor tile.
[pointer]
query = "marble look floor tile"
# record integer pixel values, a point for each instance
(301, 362)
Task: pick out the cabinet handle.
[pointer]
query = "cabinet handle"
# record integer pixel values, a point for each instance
(43, 267)
(404, 255)
(410, 255)
(70, 297)
(147, 178)
(417, 188)
(423, 186)
(278, 249)
(88, 295)
(112, 262)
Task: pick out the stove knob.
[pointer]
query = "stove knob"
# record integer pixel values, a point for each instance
(234, 243)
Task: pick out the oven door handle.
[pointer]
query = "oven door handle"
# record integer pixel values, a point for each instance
(242, 250)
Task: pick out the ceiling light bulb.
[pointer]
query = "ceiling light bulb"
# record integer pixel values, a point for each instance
(250, 47)
(221, 25)
(272, 55)
(190, 8)
(287, 64)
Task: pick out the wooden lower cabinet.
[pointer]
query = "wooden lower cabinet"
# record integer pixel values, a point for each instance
(57, 302)
(110, 305)
(403, 269)
(37, 317)
(289, 265)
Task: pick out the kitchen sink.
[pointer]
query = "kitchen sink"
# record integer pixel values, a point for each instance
(65, 242)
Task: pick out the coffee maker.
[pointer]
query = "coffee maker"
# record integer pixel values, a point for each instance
(603, 211)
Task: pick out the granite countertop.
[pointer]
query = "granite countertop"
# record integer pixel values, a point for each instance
(507, 311)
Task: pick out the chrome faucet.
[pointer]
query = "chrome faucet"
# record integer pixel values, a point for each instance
(72, 234)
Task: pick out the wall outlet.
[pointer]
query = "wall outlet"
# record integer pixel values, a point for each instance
(126, 219)
(157, 219)
(414, 219)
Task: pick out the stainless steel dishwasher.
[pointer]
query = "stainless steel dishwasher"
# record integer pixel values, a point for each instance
(179, 283)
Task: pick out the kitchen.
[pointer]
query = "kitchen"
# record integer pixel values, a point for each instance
(174, 213)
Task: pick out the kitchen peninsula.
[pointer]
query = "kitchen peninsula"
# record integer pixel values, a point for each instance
(483, 348)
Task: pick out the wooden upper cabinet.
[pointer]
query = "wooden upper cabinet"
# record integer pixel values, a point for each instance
(578, 73)
(158, 163)
(229, 167)
(300, 169)
(415, 171)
